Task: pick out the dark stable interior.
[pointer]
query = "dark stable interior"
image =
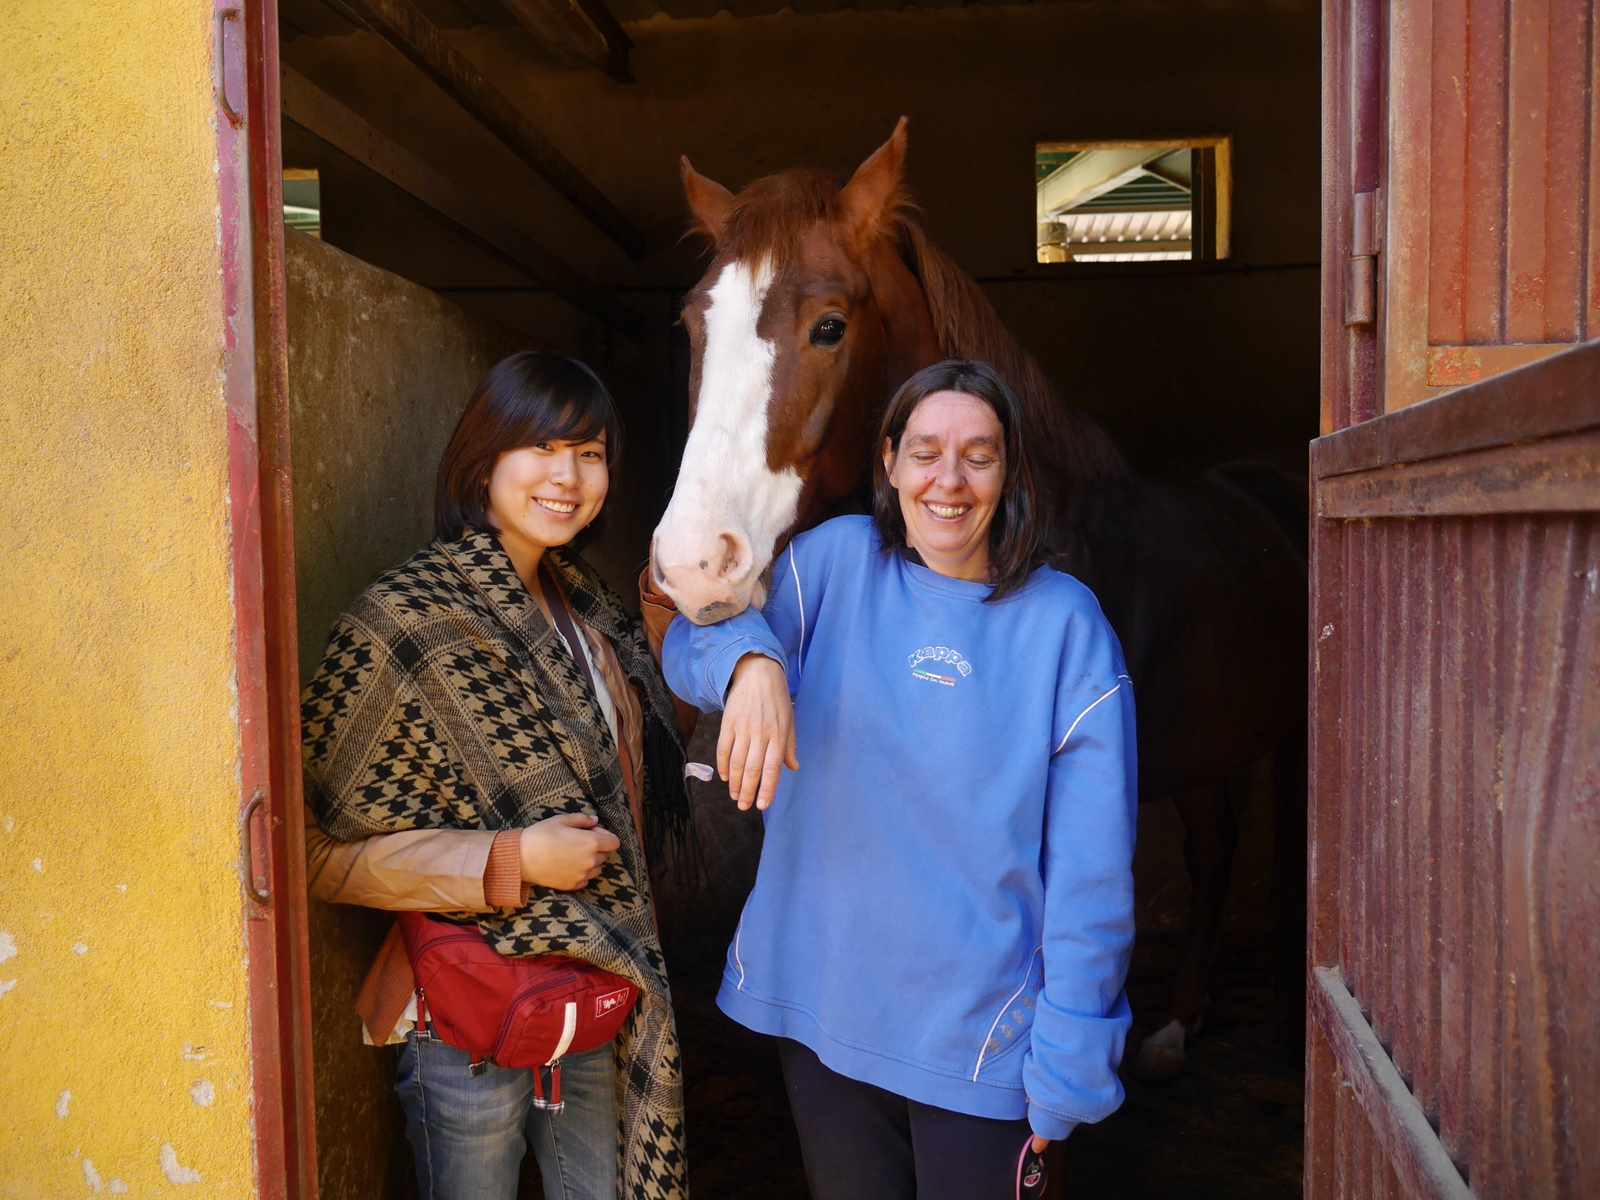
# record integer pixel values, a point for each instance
(441, 247)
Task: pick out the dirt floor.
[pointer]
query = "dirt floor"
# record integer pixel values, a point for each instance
(1230, 1127)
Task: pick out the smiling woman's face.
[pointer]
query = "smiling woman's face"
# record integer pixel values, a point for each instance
(949, 475)
(543, 495)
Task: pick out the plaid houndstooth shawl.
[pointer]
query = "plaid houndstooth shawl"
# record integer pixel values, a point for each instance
(446, 699)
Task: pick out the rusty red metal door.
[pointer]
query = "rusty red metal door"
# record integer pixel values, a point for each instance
(255, 366)
(1454, 923)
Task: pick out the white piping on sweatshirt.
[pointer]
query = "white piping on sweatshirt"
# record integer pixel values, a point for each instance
(984, 1051)
(800, 600)
(737, 960)
(1062, 745)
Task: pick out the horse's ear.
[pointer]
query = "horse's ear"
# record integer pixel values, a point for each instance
(875, 192)
(708, 200)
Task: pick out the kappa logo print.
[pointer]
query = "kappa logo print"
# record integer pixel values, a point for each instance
(958, 667)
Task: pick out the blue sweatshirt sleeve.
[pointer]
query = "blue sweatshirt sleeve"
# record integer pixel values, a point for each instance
(698, 660)
(1070, 1072)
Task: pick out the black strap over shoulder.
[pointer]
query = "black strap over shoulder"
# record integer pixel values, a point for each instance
(563, 619)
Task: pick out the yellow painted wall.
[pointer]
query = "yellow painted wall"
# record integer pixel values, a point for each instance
(124, 1048)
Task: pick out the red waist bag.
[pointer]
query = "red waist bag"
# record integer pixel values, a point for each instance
(513, 1012)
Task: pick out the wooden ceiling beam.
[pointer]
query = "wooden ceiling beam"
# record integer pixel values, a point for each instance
(458, 205)
(408, 30)
(581, 32)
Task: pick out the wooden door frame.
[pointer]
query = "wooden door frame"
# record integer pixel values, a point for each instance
(255, 368)
(1354, 154)
(1491, 458)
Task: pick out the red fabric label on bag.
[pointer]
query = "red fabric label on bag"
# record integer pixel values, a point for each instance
(604, 1004)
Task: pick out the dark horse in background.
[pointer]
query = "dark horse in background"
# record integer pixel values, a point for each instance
(818, 303)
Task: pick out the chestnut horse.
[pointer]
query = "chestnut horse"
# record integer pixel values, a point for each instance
(818, 303)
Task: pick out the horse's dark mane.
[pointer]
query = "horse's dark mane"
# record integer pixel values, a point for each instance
(1077, 451)
(768, 219)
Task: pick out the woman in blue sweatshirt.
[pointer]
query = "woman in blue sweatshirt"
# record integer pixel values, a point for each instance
(943, 913)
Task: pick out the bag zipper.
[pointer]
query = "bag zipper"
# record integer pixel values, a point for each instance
(566, 978)
(569, 1030)
(435, 943)
(547, 1078)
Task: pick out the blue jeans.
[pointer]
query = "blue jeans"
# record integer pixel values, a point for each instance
(469, 1132)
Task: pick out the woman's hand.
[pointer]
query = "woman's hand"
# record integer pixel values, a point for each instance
(565, 852)
(757, 738)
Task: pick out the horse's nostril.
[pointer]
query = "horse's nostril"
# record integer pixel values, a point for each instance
(735, 556)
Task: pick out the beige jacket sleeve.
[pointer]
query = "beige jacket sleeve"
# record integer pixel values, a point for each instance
(423, 870)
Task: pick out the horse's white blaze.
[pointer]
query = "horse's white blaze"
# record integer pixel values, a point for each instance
(724, 484)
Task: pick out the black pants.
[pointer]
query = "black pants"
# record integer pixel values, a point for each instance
(863, 1143)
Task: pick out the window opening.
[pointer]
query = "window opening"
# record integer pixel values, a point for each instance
(1132, 201)
(302, 200)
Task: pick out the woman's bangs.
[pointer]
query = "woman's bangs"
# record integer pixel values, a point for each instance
(578, 420)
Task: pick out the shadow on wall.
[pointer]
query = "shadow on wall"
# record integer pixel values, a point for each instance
(379, 370)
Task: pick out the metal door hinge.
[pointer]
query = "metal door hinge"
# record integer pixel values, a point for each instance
(1361, 272)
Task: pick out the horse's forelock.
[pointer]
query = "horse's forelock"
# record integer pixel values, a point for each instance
(1075, 449)
(770, 217)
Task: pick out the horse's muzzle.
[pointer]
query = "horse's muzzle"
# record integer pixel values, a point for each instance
(709, 581)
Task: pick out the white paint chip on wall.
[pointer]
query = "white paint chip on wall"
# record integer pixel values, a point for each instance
(80, 949)
(174, 1172)
(38, 865)
(194, 1053)
(63, 1103)
(204, 1093)
(91, 1176)
(6, 985)
(8, 945)
(118, 1188)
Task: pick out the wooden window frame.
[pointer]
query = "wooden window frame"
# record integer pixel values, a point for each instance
(1212, 196)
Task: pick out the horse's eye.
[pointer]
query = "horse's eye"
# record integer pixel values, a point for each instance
(828, 332)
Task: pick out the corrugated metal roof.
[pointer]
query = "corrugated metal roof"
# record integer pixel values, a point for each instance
(1144, 193)
(1165, 225)
(1139, 256)
(1159, 236)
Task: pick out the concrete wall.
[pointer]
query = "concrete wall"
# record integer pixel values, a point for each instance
(1180, 362)
(379, 370)
(124, 1044)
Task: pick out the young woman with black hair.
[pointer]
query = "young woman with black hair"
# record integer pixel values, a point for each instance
(488, 738)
